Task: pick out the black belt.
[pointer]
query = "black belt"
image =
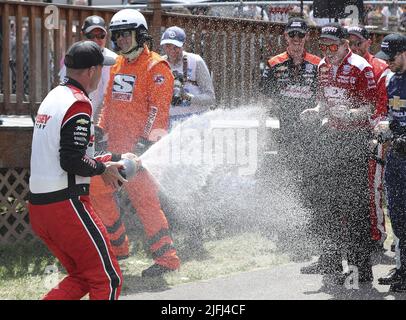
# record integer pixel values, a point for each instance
(60, 195)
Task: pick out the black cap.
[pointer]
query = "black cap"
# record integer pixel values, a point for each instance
(85, 54)
(296, 24)
(391, 45)
(359, 31)
(333, 31)
(93, 22)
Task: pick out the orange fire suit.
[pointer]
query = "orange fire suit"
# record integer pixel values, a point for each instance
(136, 104)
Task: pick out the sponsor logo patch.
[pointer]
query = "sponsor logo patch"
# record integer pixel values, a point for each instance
(123, 87)
(309, 68)
(41, 120)
(281, 68)
(82, 121)
(159, 79)
(369, 74)
(346, 69)
(80, 128)
(329, 29)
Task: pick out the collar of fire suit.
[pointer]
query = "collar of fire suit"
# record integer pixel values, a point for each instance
(368, 57)
(76, 84)
(136, 54)
(290, 57)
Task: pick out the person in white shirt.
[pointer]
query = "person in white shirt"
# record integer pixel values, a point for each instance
(193, 88)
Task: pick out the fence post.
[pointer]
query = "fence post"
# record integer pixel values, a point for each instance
(155, 27)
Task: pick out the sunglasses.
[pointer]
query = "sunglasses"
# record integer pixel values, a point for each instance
(332, 47)
(123, 33)
(355, 43)
(293, 34)
(91, 36)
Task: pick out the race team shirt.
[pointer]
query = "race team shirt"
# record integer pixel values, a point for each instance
(62, 158)
(396, 90)
(292, 88)
(352, 83)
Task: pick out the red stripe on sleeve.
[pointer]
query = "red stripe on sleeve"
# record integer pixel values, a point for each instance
(79, 107)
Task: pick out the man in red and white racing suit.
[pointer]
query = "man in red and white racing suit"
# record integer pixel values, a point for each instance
(62, 162)
(347, 99)
(360, 41)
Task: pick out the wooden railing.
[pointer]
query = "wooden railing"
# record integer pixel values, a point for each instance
(232, 48)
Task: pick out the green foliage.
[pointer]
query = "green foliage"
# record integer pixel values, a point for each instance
(20, 260)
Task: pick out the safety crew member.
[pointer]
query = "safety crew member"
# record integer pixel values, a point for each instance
(347, 99)
(135, 114)
(194, 90)
(62, 163)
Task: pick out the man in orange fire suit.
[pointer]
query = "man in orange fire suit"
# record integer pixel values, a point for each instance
(135, 114)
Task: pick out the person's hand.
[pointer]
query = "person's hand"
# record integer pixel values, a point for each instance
(129, 156)
(340, 112)
(186, 96)
(130, 165)
(372, 145)
(111, 176)
(382, 128)
(183, 99)
(309, 116)
(399, 145)
(142, 145)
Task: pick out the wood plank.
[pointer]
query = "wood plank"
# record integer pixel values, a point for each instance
(198, 37)
(222, 67)
(57, 55)
(6, 58)
(229, 66)
(69, 34)
(19, 57)
(238, 70)
(45, 60)
(244, 75)
(250, 64)
(214, 68)
(33, 56)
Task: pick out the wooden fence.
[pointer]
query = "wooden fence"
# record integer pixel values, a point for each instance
(234, 50)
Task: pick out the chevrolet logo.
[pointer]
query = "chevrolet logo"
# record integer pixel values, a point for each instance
(396, 103)
(82, 121)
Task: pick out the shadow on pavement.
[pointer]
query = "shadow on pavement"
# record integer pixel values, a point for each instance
(136, 284)
(365, 291)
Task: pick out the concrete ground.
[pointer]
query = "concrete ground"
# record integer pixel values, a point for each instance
(282, 282)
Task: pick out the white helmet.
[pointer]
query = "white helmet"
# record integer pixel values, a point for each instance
(127, 19)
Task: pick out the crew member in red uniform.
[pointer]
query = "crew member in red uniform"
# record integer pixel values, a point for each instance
(347, 100)
(135, 114)
(360, 41)
(62, 162)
